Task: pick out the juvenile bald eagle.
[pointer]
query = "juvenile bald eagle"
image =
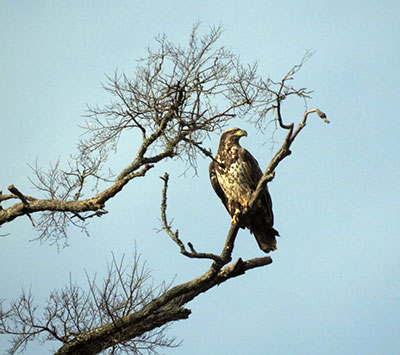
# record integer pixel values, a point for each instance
(234, 175)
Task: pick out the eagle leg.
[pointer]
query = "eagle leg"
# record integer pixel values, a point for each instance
(235, 218)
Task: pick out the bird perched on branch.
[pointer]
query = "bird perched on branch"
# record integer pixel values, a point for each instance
(234, 175)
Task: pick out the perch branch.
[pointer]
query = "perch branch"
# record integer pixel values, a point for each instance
(281, 154)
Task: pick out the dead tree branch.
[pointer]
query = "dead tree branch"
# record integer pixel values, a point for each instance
(281, 154)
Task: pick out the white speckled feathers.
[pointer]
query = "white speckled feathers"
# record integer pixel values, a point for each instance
(234, 175)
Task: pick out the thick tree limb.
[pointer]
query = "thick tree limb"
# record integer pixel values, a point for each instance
(164, 309)
(121, 330)
(95, 203)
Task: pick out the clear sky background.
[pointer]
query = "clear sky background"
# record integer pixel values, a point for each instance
(334, 285)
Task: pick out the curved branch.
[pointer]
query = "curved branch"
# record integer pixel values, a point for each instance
(281, 154)
(174, 235)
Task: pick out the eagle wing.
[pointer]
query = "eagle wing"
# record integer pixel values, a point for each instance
(215, 184)
(261, 218)
(253, 174)
(251, 169)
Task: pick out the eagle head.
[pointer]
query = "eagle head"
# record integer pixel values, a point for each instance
(232, 135)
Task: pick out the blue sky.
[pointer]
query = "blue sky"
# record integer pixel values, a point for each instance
(334, 286)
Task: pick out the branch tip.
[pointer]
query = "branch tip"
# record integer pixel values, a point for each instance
(322, 115)
(19, 194)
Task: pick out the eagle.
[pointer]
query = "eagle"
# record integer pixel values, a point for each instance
(234, 175)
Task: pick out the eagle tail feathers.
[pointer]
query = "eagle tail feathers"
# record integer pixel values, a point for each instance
(266, 238)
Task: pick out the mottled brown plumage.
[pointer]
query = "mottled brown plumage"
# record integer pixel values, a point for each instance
(234, 175)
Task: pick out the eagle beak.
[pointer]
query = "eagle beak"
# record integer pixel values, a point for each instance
(242, 133)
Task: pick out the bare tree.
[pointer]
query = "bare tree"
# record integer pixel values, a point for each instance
(177, 97)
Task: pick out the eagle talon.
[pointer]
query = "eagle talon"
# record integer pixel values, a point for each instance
(235, 218)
